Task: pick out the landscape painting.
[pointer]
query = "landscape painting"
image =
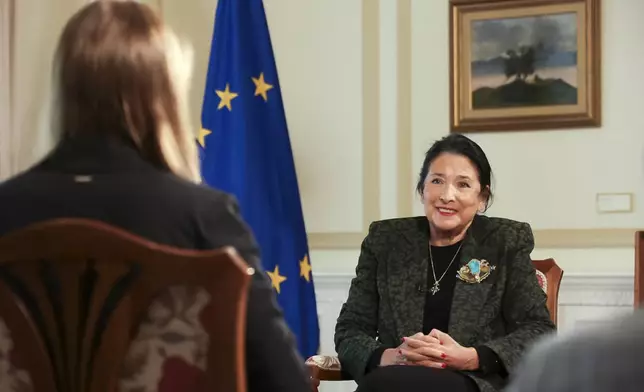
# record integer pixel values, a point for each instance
(520, 64)
(528, 61)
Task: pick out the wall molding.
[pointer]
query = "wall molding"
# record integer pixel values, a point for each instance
(332, 279)
(546, 238)
(577, 289)
(370, 133)
(585, 238)
(327, 241)
(597, 290)
(7, 132)
(403, 108)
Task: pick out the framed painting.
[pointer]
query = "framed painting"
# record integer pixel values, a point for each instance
(524, 64)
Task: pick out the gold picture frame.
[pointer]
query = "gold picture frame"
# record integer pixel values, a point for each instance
(524, 64)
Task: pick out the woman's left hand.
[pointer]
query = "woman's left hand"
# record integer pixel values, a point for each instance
(425, 351)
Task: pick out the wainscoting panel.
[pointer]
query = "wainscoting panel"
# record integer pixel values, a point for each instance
(584, 300)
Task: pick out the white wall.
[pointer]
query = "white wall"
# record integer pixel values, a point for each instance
(37, 25)
(340, 65)
(547, 178)
(326, 59)
(550, 178)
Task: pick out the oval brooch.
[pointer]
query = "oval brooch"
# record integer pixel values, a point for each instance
(475, 271)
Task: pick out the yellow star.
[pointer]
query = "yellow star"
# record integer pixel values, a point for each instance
(305, 268)
(226, 96)
(201, 138)
(261, 87)
(276, 278)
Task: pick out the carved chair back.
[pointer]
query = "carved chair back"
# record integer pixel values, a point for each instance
(84, 307)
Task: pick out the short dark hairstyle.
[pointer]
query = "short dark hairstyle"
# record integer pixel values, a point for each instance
(461, 145)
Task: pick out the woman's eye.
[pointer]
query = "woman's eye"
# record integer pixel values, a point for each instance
(436, 181)
(464, 185)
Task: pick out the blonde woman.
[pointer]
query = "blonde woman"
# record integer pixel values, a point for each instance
(126, 155)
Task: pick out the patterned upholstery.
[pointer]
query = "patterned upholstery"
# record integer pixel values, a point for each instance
(170, 351)
(11, 378)
(543, 281)
(168, 354)
(324, 362)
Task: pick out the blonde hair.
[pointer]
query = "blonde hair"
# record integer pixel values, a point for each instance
(119, 71)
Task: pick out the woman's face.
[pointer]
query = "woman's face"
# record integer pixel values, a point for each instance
(452, 193)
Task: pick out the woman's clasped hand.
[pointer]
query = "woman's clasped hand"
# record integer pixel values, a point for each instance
(436, 350)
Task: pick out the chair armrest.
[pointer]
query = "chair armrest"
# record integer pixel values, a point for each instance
(325, 368)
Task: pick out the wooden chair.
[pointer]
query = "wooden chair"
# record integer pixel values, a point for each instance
(549, 275)
(85, 307)
(328, 368)
(638, 298)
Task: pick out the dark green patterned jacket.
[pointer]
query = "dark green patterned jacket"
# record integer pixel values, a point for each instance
(506, 312)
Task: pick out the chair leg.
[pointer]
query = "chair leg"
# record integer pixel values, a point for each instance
(315, 384)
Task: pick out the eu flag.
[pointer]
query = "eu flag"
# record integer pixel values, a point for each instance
(245, 150)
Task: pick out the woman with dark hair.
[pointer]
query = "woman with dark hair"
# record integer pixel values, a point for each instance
(126, 155)
(448, 301)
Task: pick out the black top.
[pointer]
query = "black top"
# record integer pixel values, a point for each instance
(127, 191)
(438, 306)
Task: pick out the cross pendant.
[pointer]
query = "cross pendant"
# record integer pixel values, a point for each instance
(435, 288)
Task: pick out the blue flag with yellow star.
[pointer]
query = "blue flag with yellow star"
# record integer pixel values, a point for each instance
(245, 150)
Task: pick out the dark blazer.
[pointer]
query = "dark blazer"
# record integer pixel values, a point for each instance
(506, 312)
(128, 192)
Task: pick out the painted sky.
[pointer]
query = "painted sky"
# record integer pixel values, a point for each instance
(492, 37)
